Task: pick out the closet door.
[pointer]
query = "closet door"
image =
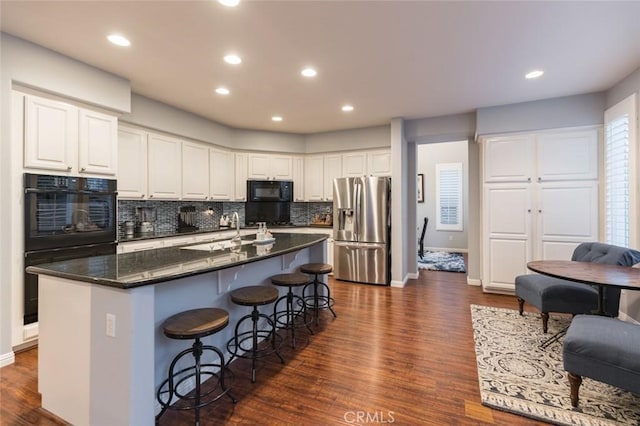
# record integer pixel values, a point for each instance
(509, 158)
(567, 215)
(508, 243)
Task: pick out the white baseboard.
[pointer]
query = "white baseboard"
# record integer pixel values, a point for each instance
(30, 331)
(400, 284)
(412, 275)
(447, 249)
(474, 282)
(7, 359)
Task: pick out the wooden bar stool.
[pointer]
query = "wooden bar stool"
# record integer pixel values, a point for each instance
(194, 324)
(254, 296)
(295, 307)
(315, 300)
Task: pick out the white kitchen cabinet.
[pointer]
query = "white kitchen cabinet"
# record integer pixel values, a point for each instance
(379, 163)
(98, 143)
(62, 137)
(354, 164)
(195, 171)
(221, 174)
(240, 193)
(298, 178)
(51, 134)
(269, 167)
(540, 200)
(314, 178)
(332, 170)
(164, 167)
(132, 161)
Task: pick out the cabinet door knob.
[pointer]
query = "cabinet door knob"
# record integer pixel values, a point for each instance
(539, 179)
(528, 179)
(83, 169)
(69, 168)
(529, 211)
(150, 195)
(142, 196)
(539, 211)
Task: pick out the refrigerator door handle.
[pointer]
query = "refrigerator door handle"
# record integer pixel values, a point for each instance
(358, 208)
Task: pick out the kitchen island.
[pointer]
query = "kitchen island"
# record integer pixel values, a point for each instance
(102, 353)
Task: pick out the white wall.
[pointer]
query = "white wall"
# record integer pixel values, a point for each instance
(428, 156)
(569, 111)
(364, 138)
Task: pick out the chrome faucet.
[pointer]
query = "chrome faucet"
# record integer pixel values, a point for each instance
(235, 219)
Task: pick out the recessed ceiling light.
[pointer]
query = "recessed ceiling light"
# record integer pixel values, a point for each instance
(233, 59)
(276, 118)
(309, 72)
(118, 40)
(534, 74)
(229, 3)
(222, 91)
(347, 108)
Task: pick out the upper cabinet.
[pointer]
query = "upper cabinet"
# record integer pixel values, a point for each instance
(221, 174)
(314, 178)
(62, 137)
(270, 167)
(240, 193)
(508, 158)
(298, 178)
(379, 162)
(98, 143)
(567, 155)
(195, 171)
(542, 157)
(132, 161)
(164, 167)
(354, 164)
(366, 163)
(332, 170)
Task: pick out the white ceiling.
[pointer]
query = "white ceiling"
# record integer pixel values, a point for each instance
(408, 59)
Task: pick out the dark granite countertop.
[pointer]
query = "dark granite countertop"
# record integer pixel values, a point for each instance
(123, 238)
(129, 270)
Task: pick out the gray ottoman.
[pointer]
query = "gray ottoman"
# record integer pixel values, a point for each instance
(603, 349)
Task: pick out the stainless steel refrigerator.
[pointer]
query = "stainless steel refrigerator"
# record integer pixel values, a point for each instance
(362, 229)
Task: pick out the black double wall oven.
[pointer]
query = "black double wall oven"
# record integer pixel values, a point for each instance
(65, 218)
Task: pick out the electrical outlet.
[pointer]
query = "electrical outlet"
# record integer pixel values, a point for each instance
(111, 325)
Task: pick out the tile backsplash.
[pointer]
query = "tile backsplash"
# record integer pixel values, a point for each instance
(207, 213)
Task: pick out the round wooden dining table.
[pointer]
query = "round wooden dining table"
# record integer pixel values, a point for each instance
(598, 274)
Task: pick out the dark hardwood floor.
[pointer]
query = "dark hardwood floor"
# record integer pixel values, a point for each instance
(402, 356)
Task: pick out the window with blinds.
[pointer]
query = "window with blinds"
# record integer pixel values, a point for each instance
(449, 197)
(618, 169)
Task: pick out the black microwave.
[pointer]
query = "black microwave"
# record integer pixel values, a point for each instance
(269, 190)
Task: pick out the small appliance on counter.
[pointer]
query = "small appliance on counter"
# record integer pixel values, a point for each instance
(146, 218)
(224, 221)
(187, 219)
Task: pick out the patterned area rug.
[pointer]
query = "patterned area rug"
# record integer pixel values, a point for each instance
(517, 376)
(442, 261)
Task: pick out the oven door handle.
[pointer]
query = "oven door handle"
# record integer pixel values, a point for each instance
(66, 191)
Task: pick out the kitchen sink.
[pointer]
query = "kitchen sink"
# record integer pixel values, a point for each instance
(216, 245)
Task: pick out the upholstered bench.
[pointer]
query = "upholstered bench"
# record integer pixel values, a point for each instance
(603, 349)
